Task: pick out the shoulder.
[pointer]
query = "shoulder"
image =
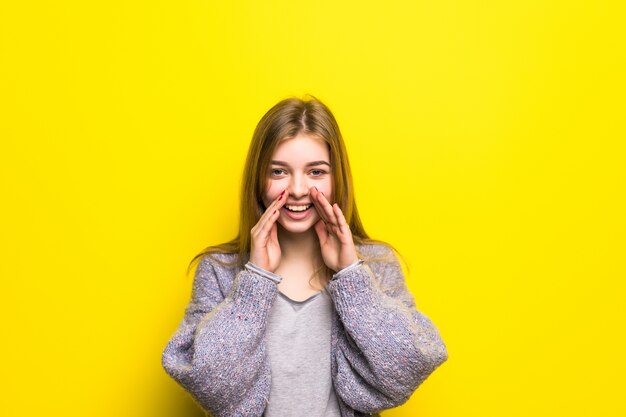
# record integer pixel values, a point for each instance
(215, 271)
(385, 265)
(218, 260)
(376, 252)
(381, 258)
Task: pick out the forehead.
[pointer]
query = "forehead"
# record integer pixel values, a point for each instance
(302, 149)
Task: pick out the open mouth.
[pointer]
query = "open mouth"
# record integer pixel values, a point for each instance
(298, 209)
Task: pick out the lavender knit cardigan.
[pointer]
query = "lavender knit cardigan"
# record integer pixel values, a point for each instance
(382, 347)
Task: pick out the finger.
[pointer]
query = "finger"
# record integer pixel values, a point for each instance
(315, 199)
(274, 233)
(316, 194)
(269, 211)
(338, 227)
(268, 228)
(272, 213)
(343, 225)
(327, 210)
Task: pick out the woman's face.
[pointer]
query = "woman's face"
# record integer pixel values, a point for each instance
(297, 165)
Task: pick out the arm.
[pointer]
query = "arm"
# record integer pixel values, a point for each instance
(218, 351)
(390, 347)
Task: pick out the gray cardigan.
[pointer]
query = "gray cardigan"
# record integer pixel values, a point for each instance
(382, 347)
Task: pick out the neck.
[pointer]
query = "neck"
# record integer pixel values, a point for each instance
(299, 246)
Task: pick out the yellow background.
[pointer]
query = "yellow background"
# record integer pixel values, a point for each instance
(487, 144)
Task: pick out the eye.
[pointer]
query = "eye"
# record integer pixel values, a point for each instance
(276, 171)
(317, 172)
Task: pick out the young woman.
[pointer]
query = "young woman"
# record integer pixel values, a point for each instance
(302, 314)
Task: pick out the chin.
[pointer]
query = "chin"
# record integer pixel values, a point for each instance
(300, 228)
(292, 226)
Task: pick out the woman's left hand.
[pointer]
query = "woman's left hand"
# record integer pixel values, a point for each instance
(335, 237)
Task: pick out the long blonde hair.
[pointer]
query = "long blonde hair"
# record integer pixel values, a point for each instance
(285, 120)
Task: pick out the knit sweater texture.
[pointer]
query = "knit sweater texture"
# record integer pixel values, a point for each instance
(382, 347)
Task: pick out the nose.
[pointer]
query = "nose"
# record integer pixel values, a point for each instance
(298, 187)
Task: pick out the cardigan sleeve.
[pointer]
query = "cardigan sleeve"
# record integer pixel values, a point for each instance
(218, 353)
(390, 347)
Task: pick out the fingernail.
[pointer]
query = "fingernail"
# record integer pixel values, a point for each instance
(281, 194)
(315, 188)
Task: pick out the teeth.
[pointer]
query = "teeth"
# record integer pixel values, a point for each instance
(297, 208)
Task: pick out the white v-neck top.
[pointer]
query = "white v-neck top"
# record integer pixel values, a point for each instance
(298, 346)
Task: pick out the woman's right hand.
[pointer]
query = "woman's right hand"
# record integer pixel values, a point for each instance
(265, 250)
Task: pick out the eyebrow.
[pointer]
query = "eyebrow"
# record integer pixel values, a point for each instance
(309, 164)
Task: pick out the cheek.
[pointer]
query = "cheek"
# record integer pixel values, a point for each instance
(272, 191)
(327, 188)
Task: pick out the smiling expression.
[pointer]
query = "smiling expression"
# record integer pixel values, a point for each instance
(297, 165)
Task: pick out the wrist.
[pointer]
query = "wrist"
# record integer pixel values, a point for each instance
(347, 268)
(252, 267)
(341, 268)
